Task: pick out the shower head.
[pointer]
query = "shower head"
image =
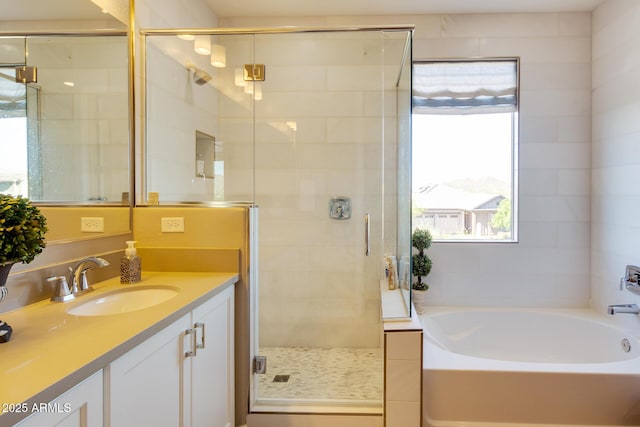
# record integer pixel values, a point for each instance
(200, 76)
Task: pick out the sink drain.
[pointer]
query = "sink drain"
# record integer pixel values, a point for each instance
(626, 345)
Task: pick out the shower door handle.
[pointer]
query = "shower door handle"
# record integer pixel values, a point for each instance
(367, 231)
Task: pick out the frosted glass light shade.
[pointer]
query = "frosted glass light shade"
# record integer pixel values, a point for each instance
(218, 56)
(202, 45)
(186, 36)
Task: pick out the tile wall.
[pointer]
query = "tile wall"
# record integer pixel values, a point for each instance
(176, 108)
(403, 376)
(318, 134)
(550, 264)
(176, 105)
(84, 128)
(615, 228)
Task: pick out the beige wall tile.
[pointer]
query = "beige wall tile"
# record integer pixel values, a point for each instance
(404, 345)
(403, 414)
(403, 380)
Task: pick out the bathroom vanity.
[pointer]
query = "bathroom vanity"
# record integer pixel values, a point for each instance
(168, 363)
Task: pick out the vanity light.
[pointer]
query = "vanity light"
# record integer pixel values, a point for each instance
(202, 45)
(218, 56)
(248, 89)
(70, 84)
(187, 37)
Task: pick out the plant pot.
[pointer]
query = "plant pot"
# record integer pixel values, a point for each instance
(4, 273)
(5, 330)
(419, 299)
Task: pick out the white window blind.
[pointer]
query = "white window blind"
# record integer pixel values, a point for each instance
(465, 87)
(12, 95)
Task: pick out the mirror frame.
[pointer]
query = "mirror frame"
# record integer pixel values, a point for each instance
(130, 202)
(131, 133)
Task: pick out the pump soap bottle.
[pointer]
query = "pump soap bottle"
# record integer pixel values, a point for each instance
(130, 265)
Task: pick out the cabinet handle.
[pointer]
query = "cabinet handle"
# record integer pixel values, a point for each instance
(195, 330)
(192, 352)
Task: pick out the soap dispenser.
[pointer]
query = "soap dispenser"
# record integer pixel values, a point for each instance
(130, 265)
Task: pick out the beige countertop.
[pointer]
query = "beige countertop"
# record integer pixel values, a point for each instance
(50, 350)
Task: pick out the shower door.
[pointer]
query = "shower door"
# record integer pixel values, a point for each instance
(319, 144)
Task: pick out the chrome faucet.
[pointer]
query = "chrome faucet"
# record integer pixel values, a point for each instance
(79, 282)
(623, 308)
(62, 293)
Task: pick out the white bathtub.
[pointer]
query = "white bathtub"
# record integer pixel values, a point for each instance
(499, 367)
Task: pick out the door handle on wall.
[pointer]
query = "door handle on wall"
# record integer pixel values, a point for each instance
(367, 230)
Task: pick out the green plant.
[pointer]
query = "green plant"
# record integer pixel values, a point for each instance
(22, 230)
(421, 240)
(501, 221)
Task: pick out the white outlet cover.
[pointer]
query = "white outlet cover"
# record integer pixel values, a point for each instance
(172, 225)
(92, 224)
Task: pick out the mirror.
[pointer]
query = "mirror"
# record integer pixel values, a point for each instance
(64, 111)
(65, 131)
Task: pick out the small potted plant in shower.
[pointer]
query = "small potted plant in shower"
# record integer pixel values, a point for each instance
(421, 240)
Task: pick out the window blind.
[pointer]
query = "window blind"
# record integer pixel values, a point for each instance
(465, 87)
(12, 96)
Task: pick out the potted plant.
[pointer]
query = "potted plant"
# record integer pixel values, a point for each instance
(421, 240)
(22, 230)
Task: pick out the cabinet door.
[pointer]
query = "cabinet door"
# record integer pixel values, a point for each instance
(212, 377)
(146, 385)
(79, 407)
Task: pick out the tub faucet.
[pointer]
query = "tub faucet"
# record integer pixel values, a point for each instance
(79, 282)
(623, 308)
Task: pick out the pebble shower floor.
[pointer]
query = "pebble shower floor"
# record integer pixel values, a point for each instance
(354, 375)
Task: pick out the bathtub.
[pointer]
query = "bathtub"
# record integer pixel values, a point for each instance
(500, 367)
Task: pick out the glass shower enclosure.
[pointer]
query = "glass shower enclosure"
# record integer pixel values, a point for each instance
(305, 125)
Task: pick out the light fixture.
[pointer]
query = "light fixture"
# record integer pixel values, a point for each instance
(186, 36)
(202, 45)
(70, 84)
(218, 56)
(257, 92)
(248, 89)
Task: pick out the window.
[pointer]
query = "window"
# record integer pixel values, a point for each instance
(464, 147)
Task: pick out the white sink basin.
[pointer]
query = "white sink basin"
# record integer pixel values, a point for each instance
(123, 301)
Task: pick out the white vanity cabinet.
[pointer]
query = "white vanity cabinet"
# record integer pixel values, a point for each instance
(212, 367)
(80, 406)
(145, 385)
(181, 376)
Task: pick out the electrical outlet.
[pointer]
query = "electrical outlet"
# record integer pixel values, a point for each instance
(172, 225)
(92, 224)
